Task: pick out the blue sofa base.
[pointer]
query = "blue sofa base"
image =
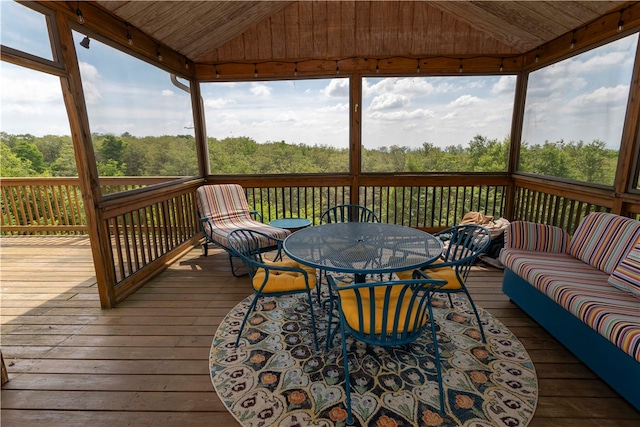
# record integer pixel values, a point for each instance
(614, 366)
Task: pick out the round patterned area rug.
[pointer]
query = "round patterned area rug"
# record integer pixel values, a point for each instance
(275, 377)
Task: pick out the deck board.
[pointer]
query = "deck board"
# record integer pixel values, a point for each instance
(145, 362)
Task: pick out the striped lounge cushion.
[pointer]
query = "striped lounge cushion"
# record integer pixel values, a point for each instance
(226, 207)
(603, 239)
(583, 291)
(626, 276)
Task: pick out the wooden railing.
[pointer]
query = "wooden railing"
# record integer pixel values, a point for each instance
(557, 203)
(425, 202)
(54, 205)
(145, 227)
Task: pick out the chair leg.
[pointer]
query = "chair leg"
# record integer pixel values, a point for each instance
(246, 316)
(330, 335)
(313, 321)
(450, 299)
(347, 380)
(434, 336)
(475, 311)
(233, 269)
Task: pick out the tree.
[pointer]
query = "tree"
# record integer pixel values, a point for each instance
(28, 151)
(13, 166)
(112, 149)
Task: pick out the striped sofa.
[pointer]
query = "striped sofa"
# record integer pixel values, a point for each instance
(223, 208)
(584, 290)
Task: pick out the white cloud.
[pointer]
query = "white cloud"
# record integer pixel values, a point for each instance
(464, 101)
(260, 90)
(336, 88)
(90, 83)
(286, 117)
(597, 101)
(168, 93)
(504, 86)
(335, 108)
(387, 101)
(412, 87)
(216, 103)
(402, 115)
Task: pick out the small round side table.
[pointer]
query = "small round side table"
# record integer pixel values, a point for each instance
(292, 224)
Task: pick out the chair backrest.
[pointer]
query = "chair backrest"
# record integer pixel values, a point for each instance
(348, 213)
(462, 246)
(386, 313)
(222, 202)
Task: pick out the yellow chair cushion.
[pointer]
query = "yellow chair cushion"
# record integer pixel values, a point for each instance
(442, 273)
(284, 281)
(350, 309)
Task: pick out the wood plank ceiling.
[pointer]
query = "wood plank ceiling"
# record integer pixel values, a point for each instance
(249, 31)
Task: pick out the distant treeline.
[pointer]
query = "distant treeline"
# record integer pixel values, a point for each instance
(126, 155)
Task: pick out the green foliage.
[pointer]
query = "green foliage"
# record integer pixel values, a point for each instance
(127, 155)
(112, 148)
(243, 155)
(29, 152)
(591, 162)
(12, 165)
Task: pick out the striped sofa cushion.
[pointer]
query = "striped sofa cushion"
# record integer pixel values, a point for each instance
(584, 292)
(226, 207)
(626, 276)
(536, 237)
(603, 239)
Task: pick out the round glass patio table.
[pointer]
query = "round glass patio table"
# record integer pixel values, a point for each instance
(362, 248)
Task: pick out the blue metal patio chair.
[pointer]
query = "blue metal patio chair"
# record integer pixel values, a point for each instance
(390, 313)
(271, 278)
(348, 213)
(463, 245)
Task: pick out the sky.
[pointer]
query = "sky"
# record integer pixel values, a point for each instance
(581, 98)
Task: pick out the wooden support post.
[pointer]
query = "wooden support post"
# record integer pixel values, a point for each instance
(355, 135)
(626, 171)
(73, 96)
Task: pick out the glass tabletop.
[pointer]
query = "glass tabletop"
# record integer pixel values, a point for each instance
(362, 247)
(290, 223)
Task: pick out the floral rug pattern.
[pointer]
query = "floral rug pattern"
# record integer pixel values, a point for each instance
(276, 378)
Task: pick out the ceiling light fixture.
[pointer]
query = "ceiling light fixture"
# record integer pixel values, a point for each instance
(79, 14)
(620, 21)
(129, 38)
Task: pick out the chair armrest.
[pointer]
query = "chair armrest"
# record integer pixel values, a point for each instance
(204, 221)
(531, 236)
(255, 213)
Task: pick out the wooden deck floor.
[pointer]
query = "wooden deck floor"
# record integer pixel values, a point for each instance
(146, 362)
